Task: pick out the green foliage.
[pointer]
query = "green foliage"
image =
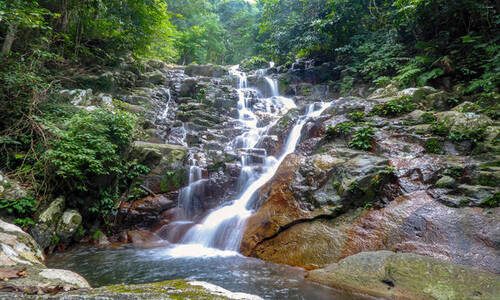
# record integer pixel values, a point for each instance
(254, 63)
(433, 146)
(91, 145)
(473, 134)
(395, 107)
(342, 129)
(19, 207)
(440, 128)
(362, 139)
(357, 116)
(24, 222)
(346, 85)
(492, 201)
(428, 118)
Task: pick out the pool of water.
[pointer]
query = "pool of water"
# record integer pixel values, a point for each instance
(228, 270)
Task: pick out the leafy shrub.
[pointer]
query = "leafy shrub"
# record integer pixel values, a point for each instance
(362, 139)
(357, 116)
(19, 207)
(22, 209)
(254, 63)
(473, 134)
(395, 107)
(91, 145)
(428, 118)
(341, 129)
(440, 128)
(434, 146)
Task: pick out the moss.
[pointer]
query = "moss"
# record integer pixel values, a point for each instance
(173, 180)
(395, 107)
(428, 118)
(492, 201)
(433, 146)
(171, 289)
(357, 116)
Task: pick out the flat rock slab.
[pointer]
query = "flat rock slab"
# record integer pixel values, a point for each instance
(407, 276)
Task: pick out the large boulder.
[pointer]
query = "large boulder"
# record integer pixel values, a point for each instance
(411, 223)
(309, 188)
(22, 268)
(392, 275)
(165, 162)
(45, 229)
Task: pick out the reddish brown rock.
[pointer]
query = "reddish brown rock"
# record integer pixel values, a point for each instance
(144, 212)
(414, 223)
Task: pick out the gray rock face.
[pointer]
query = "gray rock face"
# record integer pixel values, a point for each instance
(21, 262)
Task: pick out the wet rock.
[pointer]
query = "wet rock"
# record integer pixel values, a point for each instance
(412, 223)
(321, 186)
(144, 212)
(407, 276)
(145, 239)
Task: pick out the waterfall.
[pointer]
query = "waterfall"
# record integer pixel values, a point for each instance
(273, 85)
(223, 228)
(164, 114)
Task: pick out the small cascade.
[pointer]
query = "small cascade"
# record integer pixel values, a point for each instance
(273, 85)
(164, 114)
(223, 227)
(186, 201)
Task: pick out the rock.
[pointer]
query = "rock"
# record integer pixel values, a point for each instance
(171, 289)
(78, 97)
(46, 224)
(321, 186)
(145, 239)
(151, 154)
(155, 77)
(69, 277)
(407, 276)
(387, 91)
(411, 223)
(446, 182)
(68, 224)
(144, 212)
(206, 70)
(162, 159)
(11, 189)
(21, 254)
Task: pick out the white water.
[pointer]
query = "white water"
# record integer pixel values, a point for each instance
(220, 233)
(164, 114)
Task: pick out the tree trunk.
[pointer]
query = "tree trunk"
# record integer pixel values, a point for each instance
(9, 39)
(64, 15)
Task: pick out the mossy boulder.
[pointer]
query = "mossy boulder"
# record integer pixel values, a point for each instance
(45, 229)
(166, 163)
(206, 70)
(407, 276)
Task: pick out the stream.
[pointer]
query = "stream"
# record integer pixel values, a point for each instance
(207, 250)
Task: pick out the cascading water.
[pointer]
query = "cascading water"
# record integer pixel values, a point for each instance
(223, 228)
(164, 114)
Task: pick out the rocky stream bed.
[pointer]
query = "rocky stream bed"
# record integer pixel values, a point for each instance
(414, 216)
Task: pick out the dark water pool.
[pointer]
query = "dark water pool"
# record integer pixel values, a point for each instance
(235, 273)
